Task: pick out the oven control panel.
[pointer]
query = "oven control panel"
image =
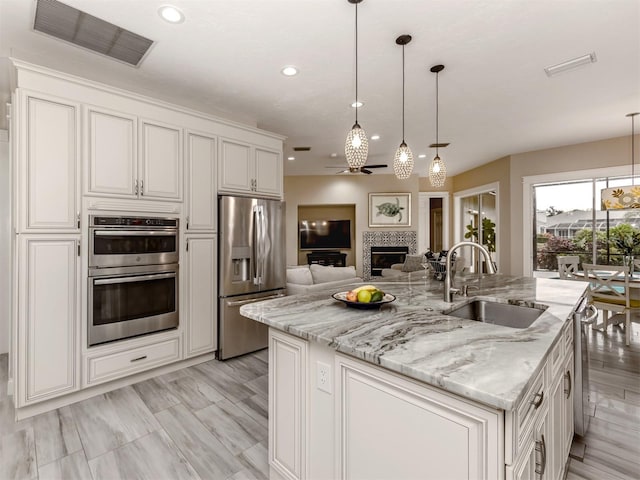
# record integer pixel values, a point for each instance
(133, 222)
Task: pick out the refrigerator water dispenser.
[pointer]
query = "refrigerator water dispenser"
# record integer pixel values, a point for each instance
(240, 264)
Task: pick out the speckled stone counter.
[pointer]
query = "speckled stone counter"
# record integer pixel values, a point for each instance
(486, 363)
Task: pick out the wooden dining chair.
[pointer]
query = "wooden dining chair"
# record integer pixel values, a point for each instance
(567, 266)
(609, 291)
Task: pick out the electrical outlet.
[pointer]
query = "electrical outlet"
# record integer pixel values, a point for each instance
(323, 377)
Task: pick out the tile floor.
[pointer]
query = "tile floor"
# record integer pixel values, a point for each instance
(208, 421)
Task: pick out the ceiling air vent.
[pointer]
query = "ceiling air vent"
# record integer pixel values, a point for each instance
(301, 149)
(80, 28)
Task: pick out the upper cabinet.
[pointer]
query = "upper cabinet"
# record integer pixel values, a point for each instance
(47, 164)
(200, 192)
(245, 168)
(131, 157)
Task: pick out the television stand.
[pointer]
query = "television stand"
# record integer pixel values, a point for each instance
(327, 258)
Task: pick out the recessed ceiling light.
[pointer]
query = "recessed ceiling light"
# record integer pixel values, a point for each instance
(571, 64)
(422, 155)
(333, 155)
(291, 158)
(375, 137)
(171, 14)
(289, 71)
(357, 104)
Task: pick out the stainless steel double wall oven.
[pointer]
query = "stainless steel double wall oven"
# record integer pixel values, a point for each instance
(133, 277)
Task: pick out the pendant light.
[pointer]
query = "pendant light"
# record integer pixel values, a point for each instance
(437, 169)
(627, 197)
(403, 160)
(356, 146)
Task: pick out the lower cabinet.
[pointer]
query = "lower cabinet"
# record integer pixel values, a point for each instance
(200, 312)
(48, 317)
(533, 461)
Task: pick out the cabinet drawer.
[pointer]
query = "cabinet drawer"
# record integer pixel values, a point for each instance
(557, 356)
(520, 420)
(120, 364)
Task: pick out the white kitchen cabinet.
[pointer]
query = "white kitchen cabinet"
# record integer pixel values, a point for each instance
(201, 191)
(201, 295)
(129, 157)
(48, 317)
(288, 399)
(111, 152)
(533, 463)
(429, 430)
(47, 163)
(244, 168)
(561, 424)
(161, 161)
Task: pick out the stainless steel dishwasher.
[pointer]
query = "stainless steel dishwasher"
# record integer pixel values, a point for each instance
(583, 316)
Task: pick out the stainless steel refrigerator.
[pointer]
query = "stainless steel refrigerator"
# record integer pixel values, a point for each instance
(251, 259)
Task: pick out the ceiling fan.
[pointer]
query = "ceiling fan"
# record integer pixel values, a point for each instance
(363, 169)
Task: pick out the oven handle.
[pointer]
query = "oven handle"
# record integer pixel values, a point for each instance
(137, 278)
(136, 233)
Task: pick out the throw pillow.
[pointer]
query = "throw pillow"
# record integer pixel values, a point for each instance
(412, 263)
(299, 276)
(322, 274)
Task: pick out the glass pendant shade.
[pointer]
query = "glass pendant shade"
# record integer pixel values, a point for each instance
(356, 147)
(437, 172)
(403, 162)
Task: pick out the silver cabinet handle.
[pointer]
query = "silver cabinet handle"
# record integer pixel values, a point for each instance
(78, 219)
(141, 187)
(541, 447)
(138, 359)
(253, 300)
(137, 278)
(136, 189)
(538, 398)
(567, 391)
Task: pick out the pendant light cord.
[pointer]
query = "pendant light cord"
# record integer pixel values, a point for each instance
(402, 93)
(633, 150)
(437, 113)
(356, 63)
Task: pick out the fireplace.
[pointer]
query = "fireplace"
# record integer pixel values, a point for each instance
(403, 241)
(384, 257)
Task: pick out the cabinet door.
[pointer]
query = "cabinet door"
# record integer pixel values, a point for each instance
(567, 406)
(111, 153)
(201, 183)
(48, 317)
(201, 295)
(268, 169)
(288, 397)
(161, 175)
(236, 167)
(533, 461)
(48, 164)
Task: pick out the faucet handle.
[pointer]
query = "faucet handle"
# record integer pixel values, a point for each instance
(466, 288)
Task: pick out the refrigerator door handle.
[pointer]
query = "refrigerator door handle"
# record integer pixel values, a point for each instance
(256, 252)
(254, 300)
(263, 244)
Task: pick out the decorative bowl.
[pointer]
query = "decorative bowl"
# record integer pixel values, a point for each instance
(342, 297)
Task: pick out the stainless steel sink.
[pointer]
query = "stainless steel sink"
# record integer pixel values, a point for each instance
(507, 315)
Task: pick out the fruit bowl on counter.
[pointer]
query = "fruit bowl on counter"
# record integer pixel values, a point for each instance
(366, 296)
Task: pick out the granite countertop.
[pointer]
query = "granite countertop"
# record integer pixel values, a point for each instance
(486, 363)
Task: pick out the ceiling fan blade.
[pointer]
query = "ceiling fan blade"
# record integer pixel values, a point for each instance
(342, 171)
(376, 166)
(364, 170)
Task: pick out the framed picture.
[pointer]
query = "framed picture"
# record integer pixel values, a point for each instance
(389, 210)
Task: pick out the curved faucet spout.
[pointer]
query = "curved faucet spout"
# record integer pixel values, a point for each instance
(448, 290)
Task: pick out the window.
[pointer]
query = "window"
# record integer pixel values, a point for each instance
(567, 220)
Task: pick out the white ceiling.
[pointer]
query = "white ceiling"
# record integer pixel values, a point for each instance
(495, 98)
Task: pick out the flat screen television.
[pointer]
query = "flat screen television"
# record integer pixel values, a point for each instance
(325, 234)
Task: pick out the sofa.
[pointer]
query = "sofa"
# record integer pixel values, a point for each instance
(311, 278)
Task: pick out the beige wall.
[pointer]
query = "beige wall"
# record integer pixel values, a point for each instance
(584, 156)
(343, 190)
(493, 172)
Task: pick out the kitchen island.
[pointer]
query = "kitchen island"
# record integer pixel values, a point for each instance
(407, 391)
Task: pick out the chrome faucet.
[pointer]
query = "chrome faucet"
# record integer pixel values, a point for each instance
(449, 291)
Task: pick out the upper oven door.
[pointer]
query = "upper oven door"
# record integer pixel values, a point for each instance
(115, 247)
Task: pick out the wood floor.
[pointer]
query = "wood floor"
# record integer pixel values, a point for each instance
(210, 422)
(613, 440)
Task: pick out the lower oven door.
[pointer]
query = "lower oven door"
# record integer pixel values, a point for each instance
(130, 301)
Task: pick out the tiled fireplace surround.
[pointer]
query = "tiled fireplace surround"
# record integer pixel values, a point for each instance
(385, 239)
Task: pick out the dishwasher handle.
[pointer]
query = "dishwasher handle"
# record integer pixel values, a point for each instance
(592, 317)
